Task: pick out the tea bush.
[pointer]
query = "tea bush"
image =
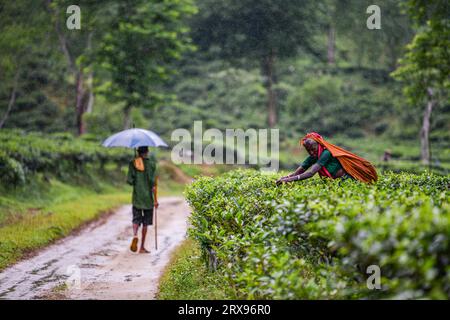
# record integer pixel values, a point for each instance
(316, 238)
(23, 154)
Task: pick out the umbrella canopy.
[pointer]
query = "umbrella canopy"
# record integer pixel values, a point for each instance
(134, 138)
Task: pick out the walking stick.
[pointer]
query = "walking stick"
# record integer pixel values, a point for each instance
(156, 219)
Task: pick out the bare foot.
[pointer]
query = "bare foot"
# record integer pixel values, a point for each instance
(143, 250)
(133, 246)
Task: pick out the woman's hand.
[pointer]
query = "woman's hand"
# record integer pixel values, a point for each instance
(290, 179)
(286, 179)
(281, 180)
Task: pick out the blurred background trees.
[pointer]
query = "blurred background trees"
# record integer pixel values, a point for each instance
(293, 65)
(138, 48)
(259, 30)
(425, 68)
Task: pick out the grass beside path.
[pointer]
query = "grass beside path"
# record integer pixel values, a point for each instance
(33, 218)
(42, 211)
(187, 278)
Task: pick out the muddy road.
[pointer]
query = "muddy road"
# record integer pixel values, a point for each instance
(96, 263)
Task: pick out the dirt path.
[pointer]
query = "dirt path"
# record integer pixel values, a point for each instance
(96, 263)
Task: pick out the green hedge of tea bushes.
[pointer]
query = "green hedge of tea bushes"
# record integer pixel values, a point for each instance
(317, 238)
(24, 154)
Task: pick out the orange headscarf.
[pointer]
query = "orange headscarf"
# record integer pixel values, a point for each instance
(359, 168)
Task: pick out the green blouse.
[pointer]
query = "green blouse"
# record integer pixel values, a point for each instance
(326, 159)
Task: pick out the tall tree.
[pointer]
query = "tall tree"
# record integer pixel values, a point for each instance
(425, 68)
(19, 39)
(77, 46)
(262, 30)
(338, 15)
(139, 48)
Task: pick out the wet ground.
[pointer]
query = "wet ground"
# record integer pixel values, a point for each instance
(96, 263)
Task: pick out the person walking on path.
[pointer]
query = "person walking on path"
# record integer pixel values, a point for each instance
(141, 175)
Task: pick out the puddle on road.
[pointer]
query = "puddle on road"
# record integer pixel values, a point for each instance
(12, 289)
(7, 291)
(105, 253)
(46, 265)
(52, 277)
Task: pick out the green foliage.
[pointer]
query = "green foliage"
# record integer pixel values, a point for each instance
(103, 120)
(18, 33)
(139, 47)
(354, 97)
(187, 278)
(59, 155)
(350, 101)
(343, 100)
(315, 239)
(220, 96)
(364, 47)
(318, 92)
(426, 64)
(254, 28)
(11, 170)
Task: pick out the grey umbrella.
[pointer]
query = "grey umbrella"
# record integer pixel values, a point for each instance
(134, 138)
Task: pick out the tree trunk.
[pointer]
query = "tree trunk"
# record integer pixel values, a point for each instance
(79, 102)
(90, 81)
(331, 45)
(84, 98)
(12, 99)
(80, 93)
(425, 131)
(268, 72)
(91, 97)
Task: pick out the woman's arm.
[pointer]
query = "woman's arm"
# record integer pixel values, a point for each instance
(295, 173)
(306, 175)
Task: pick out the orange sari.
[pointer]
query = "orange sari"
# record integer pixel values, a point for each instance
(359, 168)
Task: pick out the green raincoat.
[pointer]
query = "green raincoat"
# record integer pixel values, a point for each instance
(143, 182)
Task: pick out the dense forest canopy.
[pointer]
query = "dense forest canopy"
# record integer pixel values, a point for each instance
(293, 65)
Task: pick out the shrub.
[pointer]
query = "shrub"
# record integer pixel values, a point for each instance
(315, 239)
(11, 171)
(58, 155)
